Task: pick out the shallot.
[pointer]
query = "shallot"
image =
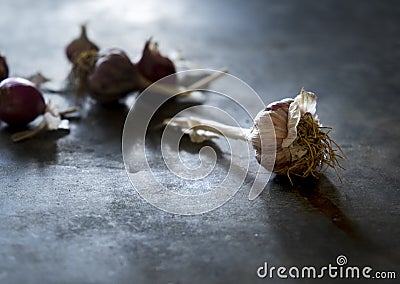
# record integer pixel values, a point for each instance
(110, 75)
(153, 65)
(114, 76)
(79, 45)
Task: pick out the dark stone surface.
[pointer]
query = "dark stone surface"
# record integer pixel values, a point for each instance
(68, 213)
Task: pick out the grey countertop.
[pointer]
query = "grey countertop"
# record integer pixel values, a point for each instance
(69, 214)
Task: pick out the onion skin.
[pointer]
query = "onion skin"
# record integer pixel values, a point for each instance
(20, 101)
(79, 45)
(154, 66)
(3, 68)
(113, 77)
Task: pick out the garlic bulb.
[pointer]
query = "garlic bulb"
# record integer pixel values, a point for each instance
(303, 146)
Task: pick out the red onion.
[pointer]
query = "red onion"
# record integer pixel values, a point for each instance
(3, 68)
(154, 66)
(79, 45)
(20, 101)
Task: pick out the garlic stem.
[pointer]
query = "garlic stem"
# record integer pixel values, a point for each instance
(161, 88)
(171, 90)
(68, 110)
(193, 125)
(208, 79)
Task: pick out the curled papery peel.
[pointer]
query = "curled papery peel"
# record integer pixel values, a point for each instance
(304, 102)
(51, 117)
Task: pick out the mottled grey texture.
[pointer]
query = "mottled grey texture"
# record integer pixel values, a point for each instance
(68, 213)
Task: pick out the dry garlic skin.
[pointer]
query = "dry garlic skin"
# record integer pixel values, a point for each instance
(263, 135)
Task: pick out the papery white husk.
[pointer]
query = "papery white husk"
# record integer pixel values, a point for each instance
(304, 102)
(52, 122)
(51, 117)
